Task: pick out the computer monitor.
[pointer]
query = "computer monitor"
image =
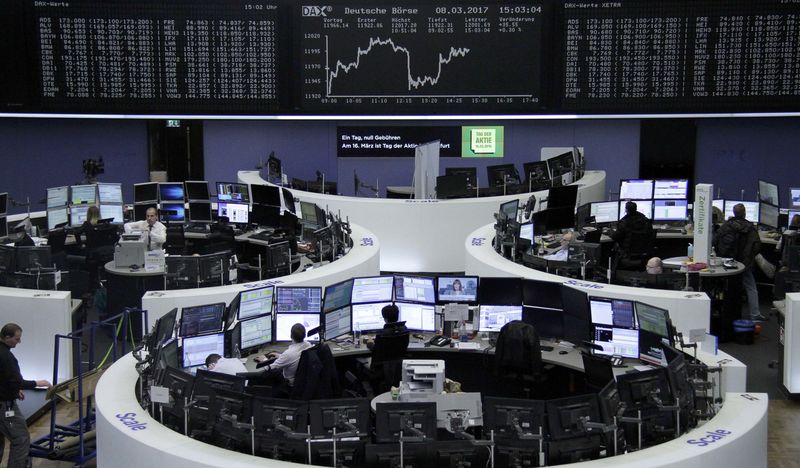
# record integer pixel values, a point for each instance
(236, 213)
(83, 194)
(367, 317)
(3, 227)
(56, 196)
(493, 317)
(33, 258)
(168, 355)
(549, 323)
(271, 416)
(768, 215)
(794, 193)
(750, 207)
(413, 419)
(255, 302)
(78, 214)
(462, 289)
(453, 186)
(308, 213)
(560, 165)
(571, 440)
(526, 232)
(267, 216)
(502, 174)
(605, 212)
(501, 291)
(338, 322)
(202, 319)
(146, 192)
(342, 415)
(618, 313)
(232, 192)
(654, 330)
(164, 327)
(196, 190)
(636, 189)
(337, 295)
(255, 332)
(768, 193)
(197, 348)
(638, 391)
(372, 289)
(791, 214)
(266, 195)
(56, 217)
(615, 341)
(178, 382)
(564, 196)
(670, 210)
(414, 289)
(644, 207)
(509, 209)
(284, 323)
(109, 193)
(577, 315)
(675, 189)
(113, 212)
(172, 212)
(471, 173)
(288, 200)
(3, 203)
(298, 300)
(418, 317)
(537, 175)
(210, 383)
(200, 212)
(541, 294)
(513, 418)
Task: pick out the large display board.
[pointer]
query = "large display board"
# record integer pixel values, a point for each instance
(351, 57)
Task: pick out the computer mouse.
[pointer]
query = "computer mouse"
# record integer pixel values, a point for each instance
(563, 352)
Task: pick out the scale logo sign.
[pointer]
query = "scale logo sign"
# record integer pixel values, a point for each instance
(709, 438)
(129, 419)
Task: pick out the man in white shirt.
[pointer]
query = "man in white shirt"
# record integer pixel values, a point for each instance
(157, 231)
(230, 366)
(288, 360)
(562, 254)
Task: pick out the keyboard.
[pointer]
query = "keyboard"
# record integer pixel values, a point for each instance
(261, 364)
(196, 228)
(670, 231)
(553, 245)
(264, 235)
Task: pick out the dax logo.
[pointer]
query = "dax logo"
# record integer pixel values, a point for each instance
(709, 438)
(129, 419)
(316, 10)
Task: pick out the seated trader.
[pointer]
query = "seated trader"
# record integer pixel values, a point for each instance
(738, 239)
(388, 351)
(655, 266)
(562, 254)
(392, 326)
(230, 366)
(634, 238)
(287, 361)
(157, 231)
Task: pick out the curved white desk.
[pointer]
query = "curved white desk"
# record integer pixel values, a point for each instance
(145, 442)
(425, 235)
(362, 260)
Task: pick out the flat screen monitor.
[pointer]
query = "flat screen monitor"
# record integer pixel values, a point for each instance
(232, 192)
(414, 289)
(718, 204)
(790, 217)
(639, 390)
(549, 323)
(255, 332)
(750, 208)
(507, 416)
(670, 210)
(372, 289)
(577, 316)
(197, 348)
(113, 212)
(501, 291)
(644, 207)
(768, 215)
(612, 312)
(337, 295)
(457, 289)
(768, 193)
(236, 213)
(196, 190)
(56, 196)
(605, 212)
(493, 317)
(615, 341)
(339, 415)
(3, 203)
(636, 189)
(502, 174)
(526, 232)
(308, 212)
(3, 226)
(418, 317)
(266, 195)
(255, 302)
(165, 327)
(794, 193)
(284, 323)
(538, 293)
(536, 174)
(202, 319)
(109, 193)
(170, 191)
(471, 173)
(267, 216)
(510, 208)
(565, 196)
(146, 192)
(77, 214)
(172, 212)
(675, 189)
(653, 332)
(367, 317)
(56, 217)
(338, 322)
(84, 194)
(200, 212)
(297, 300)
(392, 418)
(562, 164)
(288, 200)
(565, 417)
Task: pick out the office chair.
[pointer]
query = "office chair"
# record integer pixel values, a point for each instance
(386, 365)
(518, 359)
(316, 376)
(100, 241)
(597, 370)
(176, 241)
(56, 239)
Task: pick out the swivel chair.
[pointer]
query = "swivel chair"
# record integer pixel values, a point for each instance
(518, 359)
(386, 364)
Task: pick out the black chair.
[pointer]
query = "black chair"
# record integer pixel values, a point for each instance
(100, 241)
(176, 241)
(518, 359)
(56, 239)
(316, 376)
(598, 371)
(79, 288)
(386, 364)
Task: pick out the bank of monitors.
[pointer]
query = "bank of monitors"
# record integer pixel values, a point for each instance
(255, 332)
(644, 207)
(109, 193)
(392, 418)
(751, 209)
(670, 210)
(56, 217)
(367, 317)
(255, 302)
(372, 289)
(461, 289)
(654, 330)
(298, 300)
(768, 215)
(337, 295)
(768, 193)
(202, 319)
(605, 212)
(673, 189)
(233, 192)
(284, 323)
(500, 291)
(237, 213)
(196, 190)
(418, 317)
(269, 195)
(112, 212)
(493, 317)
(146, 192)
(197, 348)
(636, 189)
(614, 322)
(83, 194)
(200, 212)
(414, 289)
(56, 196)
(338, 322)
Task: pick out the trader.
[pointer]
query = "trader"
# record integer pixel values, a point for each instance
(391, 324)
(157, 231)
(562, 254)
(230, 366)
(287, 361)
(737, 238)
(13, 425)
(634, 238)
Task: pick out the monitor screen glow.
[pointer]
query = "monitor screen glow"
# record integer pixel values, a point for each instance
(671, 189)
(57, 196)
(526, 232)
(751, 209)
(368, 317)
(337, 295)
(78, 214)
(197, 348)
(338, 322)
(493, 317)
(255, 302)
(170, 191)
(670, 210)
(414, 289)
(112, 211)
(235, 212)
(419, 317)
(605, 212)
(255, 332)
(284, 323)
(56, 216)
(644, 207)
(173, 212)
(457, 288)
(617, 342)
(297, 300)
(768, 193)
(110, 193)
(232, 192)
(768, 215)
(84, 194)
(636, 189)
(795, 196)
(372, 289)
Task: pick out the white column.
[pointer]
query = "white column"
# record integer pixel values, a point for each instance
(703, 196)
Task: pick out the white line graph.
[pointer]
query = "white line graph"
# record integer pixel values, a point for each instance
(413, 82)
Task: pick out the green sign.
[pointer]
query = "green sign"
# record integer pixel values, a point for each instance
(482, 142)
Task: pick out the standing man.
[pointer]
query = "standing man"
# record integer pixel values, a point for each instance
(12, 384)
(156, 230)
(738, 239)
